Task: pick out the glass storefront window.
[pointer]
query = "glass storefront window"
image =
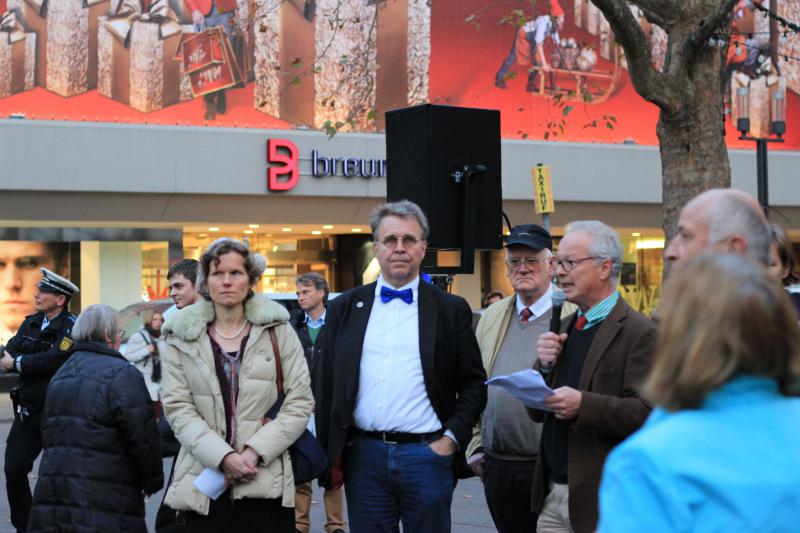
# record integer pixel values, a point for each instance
(642, 269)
(155, 264)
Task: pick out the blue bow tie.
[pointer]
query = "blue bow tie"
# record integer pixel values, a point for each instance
(387, 295)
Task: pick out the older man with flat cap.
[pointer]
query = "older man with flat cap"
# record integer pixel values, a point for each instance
(505, 444)
(42, 344)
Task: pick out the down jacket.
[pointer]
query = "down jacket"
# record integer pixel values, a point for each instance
(101, 447)
(194, 408)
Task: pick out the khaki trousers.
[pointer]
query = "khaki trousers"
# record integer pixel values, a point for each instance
(334, 508)
(554, 517)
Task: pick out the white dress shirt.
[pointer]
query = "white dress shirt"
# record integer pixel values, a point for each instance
(391, 387)
(539, 307)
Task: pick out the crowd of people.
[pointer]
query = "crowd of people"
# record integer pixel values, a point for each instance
(684, 421)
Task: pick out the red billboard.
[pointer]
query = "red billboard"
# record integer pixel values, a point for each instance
(339, 64)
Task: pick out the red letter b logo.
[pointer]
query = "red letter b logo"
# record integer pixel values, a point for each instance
(288, 162)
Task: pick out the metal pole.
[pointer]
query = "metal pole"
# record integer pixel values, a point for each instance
(761, 173)
(546, 221)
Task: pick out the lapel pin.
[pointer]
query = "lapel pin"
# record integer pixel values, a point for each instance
(359, 304)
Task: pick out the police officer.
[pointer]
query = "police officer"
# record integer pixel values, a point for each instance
(36, 352)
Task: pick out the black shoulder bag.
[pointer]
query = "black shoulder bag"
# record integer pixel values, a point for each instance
(308, 458)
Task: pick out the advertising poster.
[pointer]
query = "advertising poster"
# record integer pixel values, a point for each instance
(338, 65)
(20, 272)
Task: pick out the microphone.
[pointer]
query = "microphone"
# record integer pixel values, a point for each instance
(557, 301)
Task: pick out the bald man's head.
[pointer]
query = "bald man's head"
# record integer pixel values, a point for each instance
(728, 220)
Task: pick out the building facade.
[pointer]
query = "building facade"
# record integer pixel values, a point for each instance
(128, 200)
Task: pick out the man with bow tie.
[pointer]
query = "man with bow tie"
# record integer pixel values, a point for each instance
(402, 386)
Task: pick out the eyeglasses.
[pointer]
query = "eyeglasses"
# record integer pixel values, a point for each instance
(532, 263)
(569, 264)
(391, 242)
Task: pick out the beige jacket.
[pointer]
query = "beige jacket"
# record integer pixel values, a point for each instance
(490, 333)
(194, 407)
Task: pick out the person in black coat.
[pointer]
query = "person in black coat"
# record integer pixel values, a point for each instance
(312, 297)
(100, 438)
(36, 352)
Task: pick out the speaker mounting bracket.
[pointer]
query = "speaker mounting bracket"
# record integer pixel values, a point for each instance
(467, 176)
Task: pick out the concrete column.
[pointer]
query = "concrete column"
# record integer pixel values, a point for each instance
(111, 273)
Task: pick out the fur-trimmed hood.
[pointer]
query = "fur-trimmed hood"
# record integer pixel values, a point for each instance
(190, 322)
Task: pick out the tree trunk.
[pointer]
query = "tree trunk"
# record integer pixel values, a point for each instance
(694, 157)
(688, 89)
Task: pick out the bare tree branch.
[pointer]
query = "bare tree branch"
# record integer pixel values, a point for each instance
(722, 15)
(652, 85)
(663, 9)
(652, 18)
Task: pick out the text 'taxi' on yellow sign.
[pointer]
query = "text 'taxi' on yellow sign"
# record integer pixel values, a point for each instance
(543, 190)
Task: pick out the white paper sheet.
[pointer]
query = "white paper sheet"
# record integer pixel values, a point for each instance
(211, 483)
(527, 386)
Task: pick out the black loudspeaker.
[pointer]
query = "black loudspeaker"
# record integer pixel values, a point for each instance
(425, 146)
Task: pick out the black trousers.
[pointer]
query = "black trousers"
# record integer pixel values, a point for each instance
(507, 485)
(243, 516)
(23, 445)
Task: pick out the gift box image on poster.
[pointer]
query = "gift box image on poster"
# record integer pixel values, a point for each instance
(17, 55)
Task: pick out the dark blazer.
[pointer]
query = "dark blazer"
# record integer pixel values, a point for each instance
(451, 363)
(618, 362)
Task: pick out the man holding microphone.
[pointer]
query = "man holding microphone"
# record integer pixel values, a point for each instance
(594, 368)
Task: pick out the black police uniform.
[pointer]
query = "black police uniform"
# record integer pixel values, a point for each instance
(43, 353)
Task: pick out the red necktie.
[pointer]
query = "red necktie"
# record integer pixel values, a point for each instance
(580, 323)
(525, 314)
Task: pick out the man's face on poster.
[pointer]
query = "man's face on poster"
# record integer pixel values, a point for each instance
(20, 263)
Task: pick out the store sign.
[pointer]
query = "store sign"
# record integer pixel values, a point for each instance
(283, 157)
(284, 153)
(348, 167)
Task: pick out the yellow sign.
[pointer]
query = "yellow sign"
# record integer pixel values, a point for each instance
(543, 190)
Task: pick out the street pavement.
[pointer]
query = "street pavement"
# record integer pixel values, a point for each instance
(469, 511)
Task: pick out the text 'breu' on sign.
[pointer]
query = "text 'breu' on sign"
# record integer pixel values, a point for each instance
(543, 190)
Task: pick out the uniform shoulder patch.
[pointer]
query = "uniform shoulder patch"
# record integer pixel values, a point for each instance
(66, 344)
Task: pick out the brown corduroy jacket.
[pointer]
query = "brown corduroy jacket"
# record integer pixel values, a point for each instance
(618, 362)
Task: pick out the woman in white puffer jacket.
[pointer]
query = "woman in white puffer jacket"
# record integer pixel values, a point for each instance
(219, 383)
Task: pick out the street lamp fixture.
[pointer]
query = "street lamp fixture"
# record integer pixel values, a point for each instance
(777, 128)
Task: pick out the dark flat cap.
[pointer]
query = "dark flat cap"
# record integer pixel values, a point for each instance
(531, 235)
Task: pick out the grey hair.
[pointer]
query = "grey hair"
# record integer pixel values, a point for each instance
(402, 209)
(317, 280)
(96, 323)
(254, 264)
(604, 243)
(732, 215)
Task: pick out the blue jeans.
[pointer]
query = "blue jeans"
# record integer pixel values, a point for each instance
(389, 483)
